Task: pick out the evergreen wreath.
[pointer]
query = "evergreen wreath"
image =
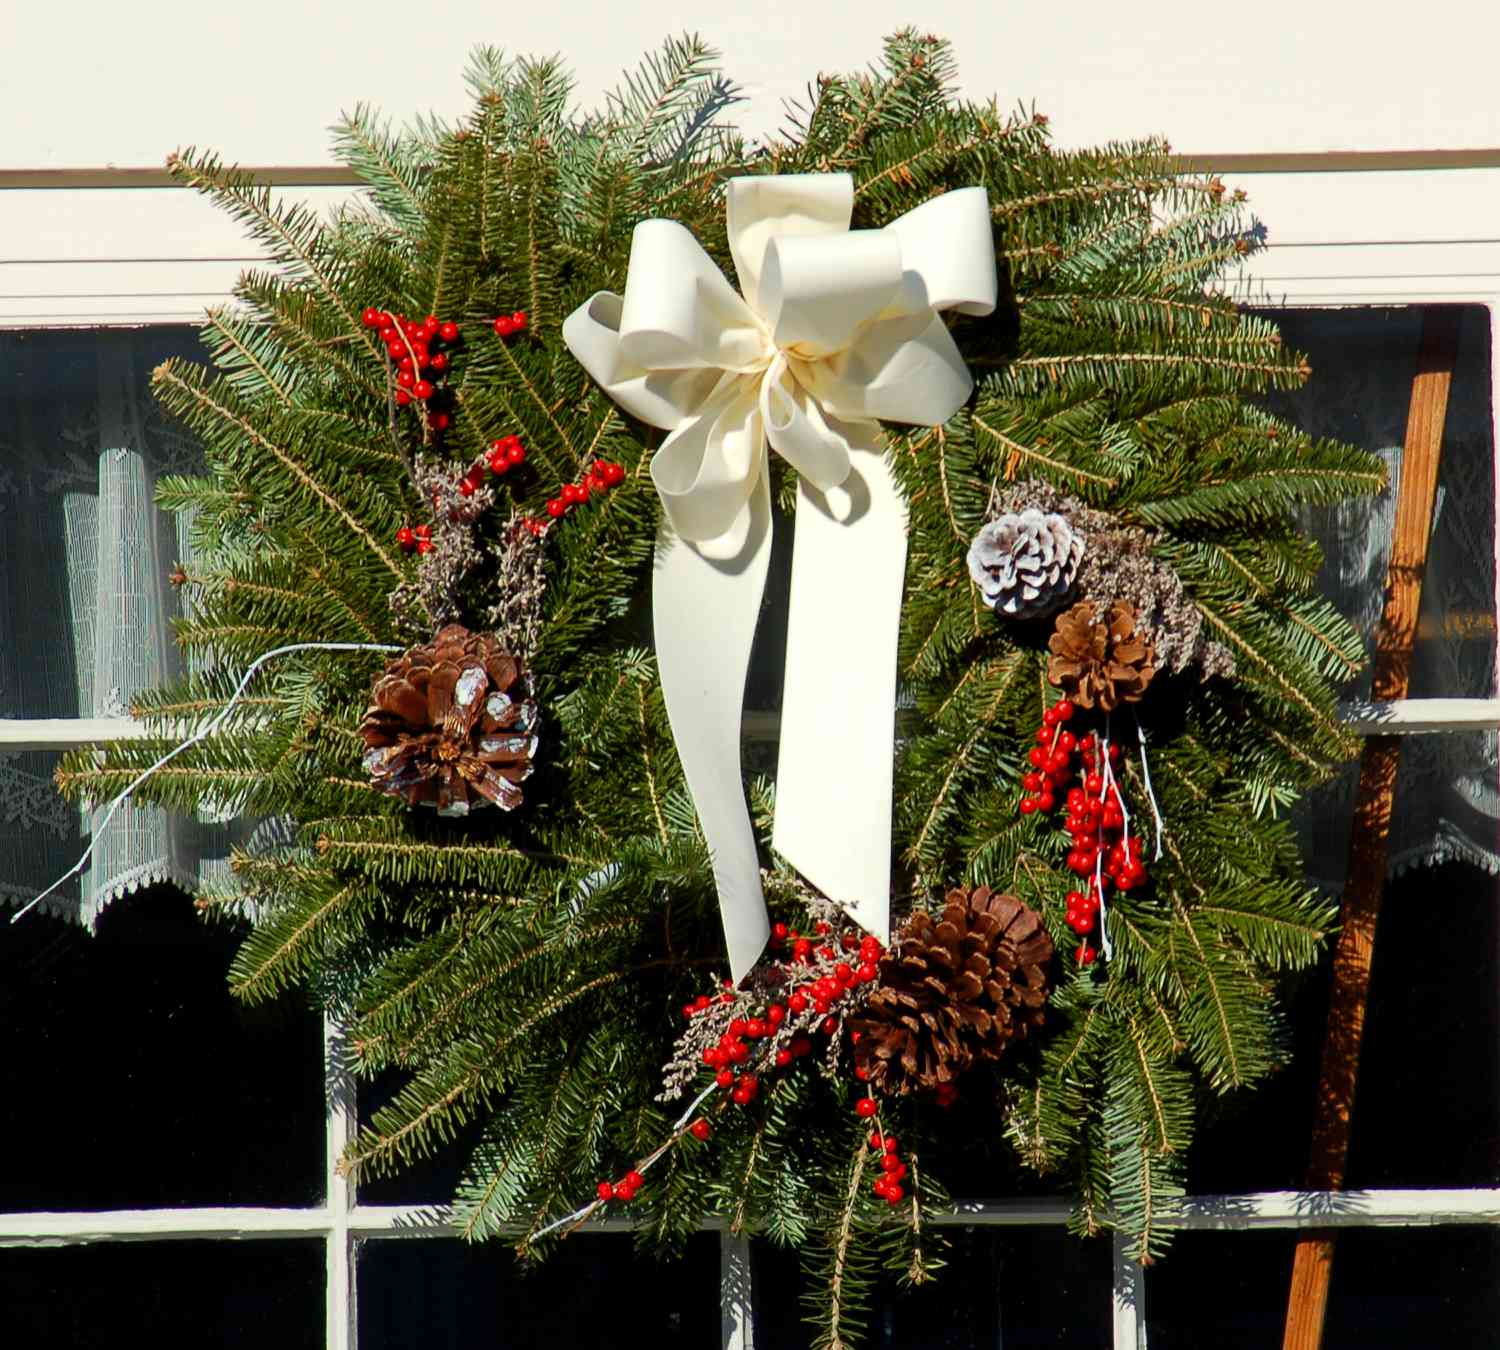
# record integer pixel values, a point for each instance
(546, 977)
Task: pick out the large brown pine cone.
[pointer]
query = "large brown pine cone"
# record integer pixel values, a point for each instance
(1100, 663)
(452, 724)
(954, 990)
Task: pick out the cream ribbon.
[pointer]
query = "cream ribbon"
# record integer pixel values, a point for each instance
(836, 330)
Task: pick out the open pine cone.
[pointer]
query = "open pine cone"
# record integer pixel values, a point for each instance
(1024, 565)
(452, 724)
(953, 990)
(1100, 663)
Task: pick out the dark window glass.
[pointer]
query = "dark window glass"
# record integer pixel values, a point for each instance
(1427, 1110)
(1390, 1288)
(231, 1296)
(1016, 1288)
(592, 1293)
(131, 1078)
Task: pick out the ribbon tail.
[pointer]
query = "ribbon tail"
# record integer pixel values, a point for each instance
(834, 780)
(705, 611)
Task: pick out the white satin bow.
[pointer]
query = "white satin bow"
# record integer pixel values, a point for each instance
(836, 329)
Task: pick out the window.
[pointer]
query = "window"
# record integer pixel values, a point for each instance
(102, 1195)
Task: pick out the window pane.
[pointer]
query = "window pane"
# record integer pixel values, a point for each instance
(1427, 1111)
(1363, 363)
(232, 1296)
(132, 1079)
(1390, 1288)
(595, 1292)
(1002, 1287)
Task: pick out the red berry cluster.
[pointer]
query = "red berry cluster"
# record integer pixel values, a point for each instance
(415, 539)
(1051, 760)
(624, 1189)
(1102, 850)
(508, 325)
(733, 1049)
(412, 347)
(823, 993)
(888, 1184)
(604, 475)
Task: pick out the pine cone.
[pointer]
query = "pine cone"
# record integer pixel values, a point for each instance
(953, 991)
(1100, 663)
(452, 725)
(1024, 564)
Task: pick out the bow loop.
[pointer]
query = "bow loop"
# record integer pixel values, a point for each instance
(760, 209)
(817, 293)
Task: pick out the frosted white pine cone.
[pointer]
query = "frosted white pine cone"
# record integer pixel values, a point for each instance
(1024, 564)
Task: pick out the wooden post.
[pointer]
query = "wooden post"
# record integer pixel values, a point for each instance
(1395, 638)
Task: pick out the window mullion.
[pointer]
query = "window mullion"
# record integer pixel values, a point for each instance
(342, 1311)
(1129, 1298)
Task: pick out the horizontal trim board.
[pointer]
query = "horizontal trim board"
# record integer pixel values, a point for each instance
(1403, 717)
(333, 175)
(1257, 1209)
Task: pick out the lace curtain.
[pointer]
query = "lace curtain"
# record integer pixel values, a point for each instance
(1447, 803)
(85, 600)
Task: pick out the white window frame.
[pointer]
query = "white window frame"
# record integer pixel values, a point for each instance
(1407, 265)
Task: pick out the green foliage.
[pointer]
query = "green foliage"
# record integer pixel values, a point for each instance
(523, 970)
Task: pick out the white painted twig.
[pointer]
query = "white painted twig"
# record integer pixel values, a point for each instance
(201, 735)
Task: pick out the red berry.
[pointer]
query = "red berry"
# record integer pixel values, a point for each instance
(624, 1193)
(829, 1025)
(504, 326)
(405, 379)
(466, 487)
(890, 1143)
(868, 971)
(515, 452)
(555, 507)
(894, 1194)
(440, 421)
(432, 323)
(865, 1107)
(519, 319)
(783, 1058)
(779, 931)
(739, 1052)
(881, 1186)
(892, 1166)
(606, 1191)
(406, 538)
(1046, 802)
(448, 331)
(371, 317)
(724, 1078)
(802, 949)
(1028, 805)
(1038, 757)
(700, 1129)
(613, 474)
(422, 389)
(1084, 955)
(438, 361)
(755, 1028)
(572, 494)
